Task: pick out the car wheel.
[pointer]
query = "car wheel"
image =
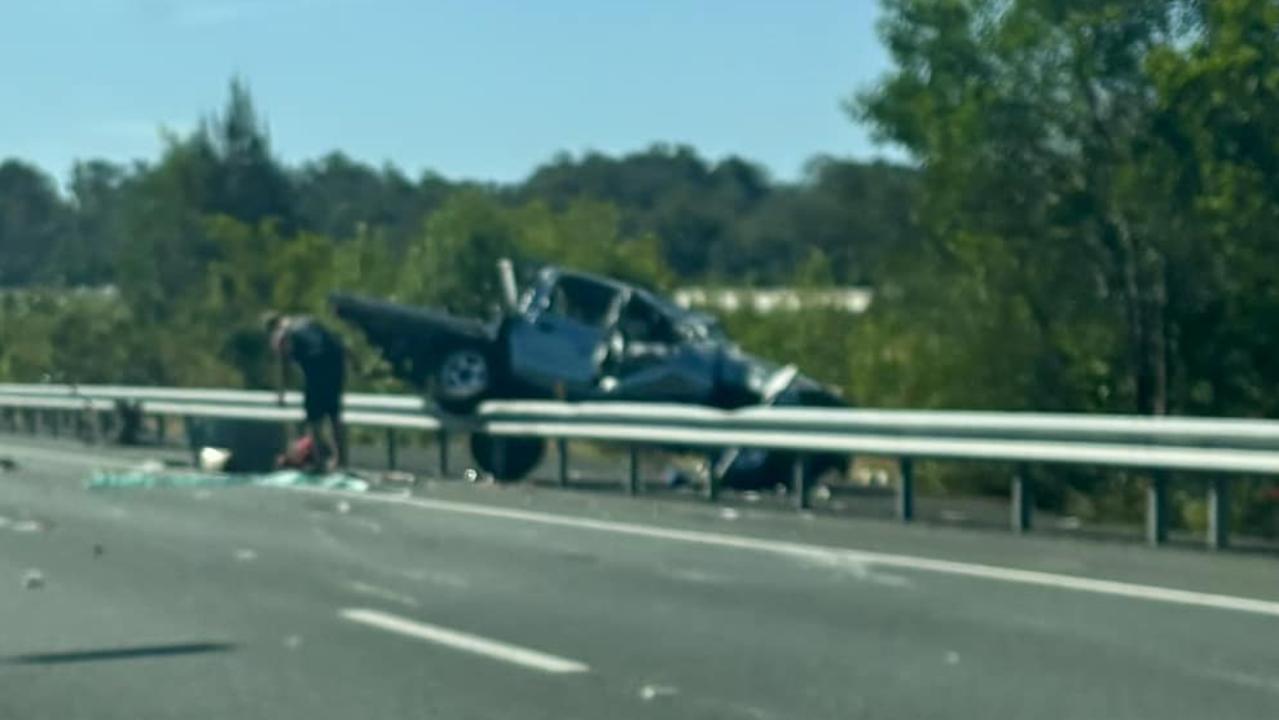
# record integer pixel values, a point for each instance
(463, 378)
(507, 458)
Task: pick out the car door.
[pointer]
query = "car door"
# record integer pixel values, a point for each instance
(559, 341)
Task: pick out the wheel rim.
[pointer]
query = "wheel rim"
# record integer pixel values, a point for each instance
(463, 375)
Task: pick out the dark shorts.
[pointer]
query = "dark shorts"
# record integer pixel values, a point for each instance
(322, 389)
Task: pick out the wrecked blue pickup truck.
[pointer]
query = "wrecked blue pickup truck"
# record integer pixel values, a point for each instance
(581, 337)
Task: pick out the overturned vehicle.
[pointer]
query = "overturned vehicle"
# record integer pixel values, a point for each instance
(582, 337)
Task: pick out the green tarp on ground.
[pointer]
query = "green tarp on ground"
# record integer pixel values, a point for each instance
(196, 479)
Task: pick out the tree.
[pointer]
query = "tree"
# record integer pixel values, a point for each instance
(1031, 121)
(86, 253)
(33, 220)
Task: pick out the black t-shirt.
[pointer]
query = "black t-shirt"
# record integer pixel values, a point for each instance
(313, 346)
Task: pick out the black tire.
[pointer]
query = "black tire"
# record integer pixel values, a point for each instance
(507, 458)
(463, 378)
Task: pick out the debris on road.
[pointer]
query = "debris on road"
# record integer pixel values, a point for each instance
(169, 479)
(214, 459)
(293, 642)
(343, 507)
(150, 465)
(674, 477)
(8, 464)
(246, 555)
(651, 692)
(32, 579)
(728, 514)
(952, 658)
(399, 477)
(27, 526)
(1070, 522)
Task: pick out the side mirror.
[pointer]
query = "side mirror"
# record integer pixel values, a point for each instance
(510, 291)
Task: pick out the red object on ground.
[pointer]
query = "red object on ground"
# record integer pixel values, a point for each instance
(300, 455)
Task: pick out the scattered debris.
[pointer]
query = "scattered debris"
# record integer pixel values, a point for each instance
(27, 526)
(674, 477)
(399, 477)
(820, 493)
(729, 514)
(371, 525)
(750, 496)
(32, 579)
(214, 459)
(651, 692)
(172, 479)
(471, 475)
(246, 555)
(150, 465)
(343, 507)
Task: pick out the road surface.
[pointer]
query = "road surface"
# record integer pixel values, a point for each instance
(471, 601)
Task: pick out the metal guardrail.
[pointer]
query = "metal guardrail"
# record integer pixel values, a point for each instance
(1221, 447)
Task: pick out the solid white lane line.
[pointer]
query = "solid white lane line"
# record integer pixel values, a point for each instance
(465, 642)
(827, 554)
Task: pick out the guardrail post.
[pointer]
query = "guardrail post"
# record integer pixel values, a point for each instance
(1023, 501)
(1157, 509)
(1219, 513)
(392, 452)
(712, 478)
(499, 458)
(561, 460)
(105, 420)
(799, 481)
(50, 418)
(906, 491)
(442, 438)
(192, 432)
(633, 474)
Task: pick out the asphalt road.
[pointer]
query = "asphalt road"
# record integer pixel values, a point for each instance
(466, 601)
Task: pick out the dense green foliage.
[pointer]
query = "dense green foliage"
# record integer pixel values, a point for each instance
(1086, 225)
(198, 243)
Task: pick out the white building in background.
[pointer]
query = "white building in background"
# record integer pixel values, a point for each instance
(852, 300)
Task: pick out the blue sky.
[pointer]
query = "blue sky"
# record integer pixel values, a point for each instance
(482, 89)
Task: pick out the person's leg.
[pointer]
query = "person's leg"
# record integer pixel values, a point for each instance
(339, 440)
(315, 399)
(339, 428)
